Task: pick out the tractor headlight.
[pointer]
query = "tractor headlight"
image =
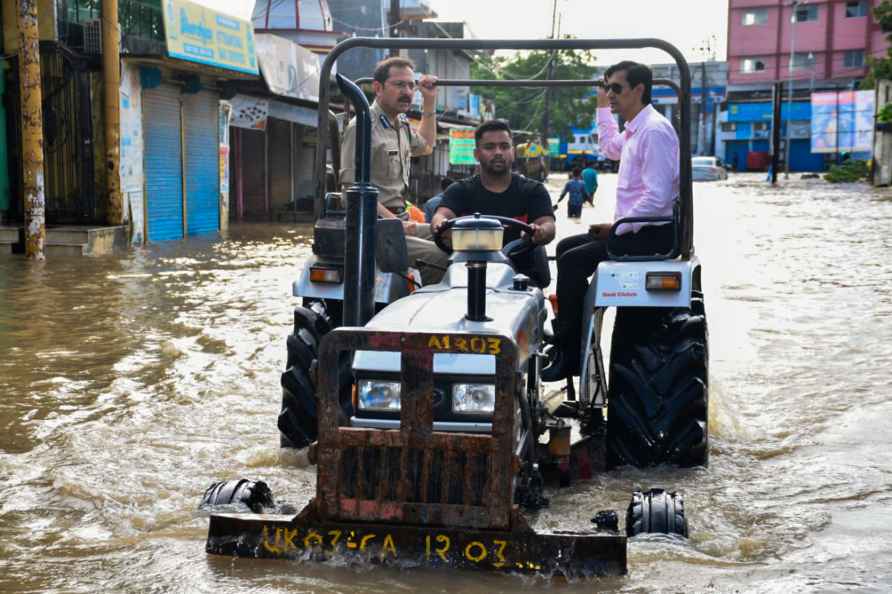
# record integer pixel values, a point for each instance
(464, 240)
(381, 395)
(473, 399)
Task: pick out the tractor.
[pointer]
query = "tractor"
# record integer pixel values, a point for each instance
(423, 409)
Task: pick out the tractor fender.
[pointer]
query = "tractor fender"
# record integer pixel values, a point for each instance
(622, 283)
(389, 286)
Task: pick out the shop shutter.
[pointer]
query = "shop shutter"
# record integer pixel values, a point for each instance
(202, 164)
(163, 163)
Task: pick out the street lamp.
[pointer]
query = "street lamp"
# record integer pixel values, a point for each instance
(793, 5)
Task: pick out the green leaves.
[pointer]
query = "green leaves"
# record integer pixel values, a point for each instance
(524, 107)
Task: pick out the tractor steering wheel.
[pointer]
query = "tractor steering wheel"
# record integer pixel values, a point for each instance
(512, 249)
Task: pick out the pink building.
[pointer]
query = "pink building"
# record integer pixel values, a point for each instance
(829, 39)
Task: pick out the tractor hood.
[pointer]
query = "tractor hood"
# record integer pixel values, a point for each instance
(517, 314)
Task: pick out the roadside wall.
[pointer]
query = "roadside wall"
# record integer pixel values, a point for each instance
(132, 175)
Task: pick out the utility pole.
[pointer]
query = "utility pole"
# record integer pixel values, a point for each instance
(549, 74)
(394, 21)
(793, 5)
(111, 76)
(706, 50)
(32, 130)
(701, 136)
(776, 98)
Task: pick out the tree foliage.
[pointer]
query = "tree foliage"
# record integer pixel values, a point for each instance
(881, 68)
(524, 107)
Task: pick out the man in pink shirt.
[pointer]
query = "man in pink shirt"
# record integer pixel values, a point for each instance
(647, 186)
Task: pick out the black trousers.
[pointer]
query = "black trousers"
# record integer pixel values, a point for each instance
(578, 257)
(534, 264)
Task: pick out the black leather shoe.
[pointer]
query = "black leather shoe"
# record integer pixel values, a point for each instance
(557, 370)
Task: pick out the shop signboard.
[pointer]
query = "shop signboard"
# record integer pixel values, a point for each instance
(198, 34)
(842, 121)
(461, 146)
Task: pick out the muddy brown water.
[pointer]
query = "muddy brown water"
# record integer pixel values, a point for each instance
(129, 384)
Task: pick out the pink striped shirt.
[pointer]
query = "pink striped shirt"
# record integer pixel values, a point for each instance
(647, 150)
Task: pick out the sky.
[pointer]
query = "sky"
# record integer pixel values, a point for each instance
(687, 24)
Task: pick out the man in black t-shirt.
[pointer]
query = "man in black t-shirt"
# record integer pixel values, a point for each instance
(497, 191)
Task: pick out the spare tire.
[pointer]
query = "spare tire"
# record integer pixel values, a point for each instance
(256, 495)
(656, 512)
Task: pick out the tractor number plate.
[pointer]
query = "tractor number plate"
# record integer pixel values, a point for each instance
(483, 345)
(522, 551)
(430, 547)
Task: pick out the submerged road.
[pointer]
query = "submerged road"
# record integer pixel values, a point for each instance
(129, 384)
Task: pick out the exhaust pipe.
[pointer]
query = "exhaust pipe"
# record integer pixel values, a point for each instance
(476, 291)
(362, 203)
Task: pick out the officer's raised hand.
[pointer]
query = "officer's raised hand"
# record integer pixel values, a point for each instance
(427, 84)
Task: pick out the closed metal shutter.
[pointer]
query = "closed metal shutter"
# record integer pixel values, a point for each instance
(202, 162)
(163, 163)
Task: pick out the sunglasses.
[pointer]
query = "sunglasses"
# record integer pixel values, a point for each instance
(615, 88)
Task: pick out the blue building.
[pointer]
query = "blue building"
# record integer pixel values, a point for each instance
(745, 128)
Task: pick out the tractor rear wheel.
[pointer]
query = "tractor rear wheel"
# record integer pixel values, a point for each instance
(657, 400)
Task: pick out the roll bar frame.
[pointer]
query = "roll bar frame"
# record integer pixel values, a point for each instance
(686, 206)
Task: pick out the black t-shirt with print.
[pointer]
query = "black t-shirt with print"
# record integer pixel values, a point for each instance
(525, 200)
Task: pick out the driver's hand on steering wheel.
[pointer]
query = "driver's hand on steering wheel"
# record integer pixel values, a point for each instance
(538, 234)
(435, 229)
(446, 237)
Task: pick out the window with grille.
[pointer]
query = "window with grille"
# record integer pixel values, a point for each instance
(803, 60)
(856, 9)
(752, 65)
(802, 14)
(853, 59)
(757, 16)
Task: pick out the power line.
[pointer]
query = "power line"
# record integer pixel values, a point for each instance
(370, 29)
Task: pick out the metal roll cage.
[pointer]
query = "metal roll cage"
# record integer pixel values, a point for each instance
(683, 91)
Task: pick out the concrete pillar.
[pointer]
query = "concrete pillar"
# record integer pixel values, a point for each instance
(32, 130)
(111, 73)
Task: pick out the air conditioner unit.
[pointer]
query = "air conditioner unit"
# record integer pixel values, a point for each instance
(93, 37)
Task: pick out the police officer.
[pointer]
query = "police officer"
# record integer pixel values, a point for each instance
(394, 143)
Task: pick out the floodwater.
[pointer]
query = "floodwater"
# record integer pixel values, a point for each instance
(129, 384)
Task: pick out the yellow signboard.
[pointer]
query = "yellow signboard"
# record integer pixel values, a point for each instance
(198, 34)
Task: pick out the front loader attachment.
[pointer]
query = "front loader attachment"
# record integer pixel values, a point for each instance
(412, 495)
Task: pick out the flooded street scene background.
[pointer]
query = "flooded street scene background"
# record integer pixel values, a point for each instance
(129, 384)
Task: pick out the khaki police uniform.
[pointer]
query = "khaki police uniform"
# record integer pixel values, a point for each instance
(392, 150)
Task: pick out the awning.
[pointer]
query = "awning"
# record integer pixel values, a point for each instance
(293, 113)
(288, 69)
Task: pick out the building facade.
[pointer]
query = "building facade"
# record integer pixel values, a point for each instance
(818, 45)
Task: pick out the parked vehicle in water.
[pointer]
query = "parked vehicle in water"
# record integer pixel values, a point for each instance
(708, 169)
